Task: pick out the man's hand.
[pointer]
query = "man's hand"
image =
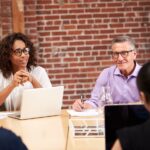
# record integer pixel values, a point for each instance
(87, 106)
(80, 106)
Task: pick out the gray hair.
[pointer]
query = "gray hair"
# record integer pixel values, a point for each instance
(120, 39)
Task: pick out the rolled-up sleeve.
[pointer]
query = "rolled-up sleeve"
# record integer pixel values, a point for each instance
(100, 82)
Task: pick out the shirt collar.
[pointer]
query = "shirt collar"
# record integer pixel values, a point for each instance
(134, 73)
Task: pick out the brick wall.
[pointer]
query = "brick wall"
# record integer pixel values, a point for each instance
(5, 17)
(73, 37)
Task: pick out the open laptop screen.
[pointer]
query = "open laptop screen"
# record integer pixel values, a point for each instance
(120, 116)
(40, 102)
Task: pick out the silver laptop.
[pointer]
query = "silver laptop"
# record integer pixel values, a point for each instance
(40, 102)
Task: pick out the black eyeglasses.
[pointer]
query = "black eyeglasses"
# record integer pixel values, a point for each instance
(19, 51)
(124, 54)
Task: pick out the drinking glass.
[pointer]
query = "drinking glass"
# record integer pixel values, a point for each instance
(105, 97)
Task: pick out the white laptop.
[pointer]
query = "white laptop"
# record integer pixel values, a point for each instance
(40, 102)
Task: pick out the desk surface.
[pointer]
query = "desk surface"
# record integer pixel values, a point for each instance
(50, 133)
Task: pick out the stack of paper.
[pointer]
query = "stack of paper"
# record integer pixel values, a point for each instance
(5, 114)
(88, 112)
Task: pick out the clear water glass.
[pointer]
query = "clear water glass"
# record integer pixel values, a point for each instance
(105, 97)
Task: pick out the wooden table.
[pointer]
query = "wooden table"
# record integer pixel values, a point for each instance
(50, 133)
(85, 143)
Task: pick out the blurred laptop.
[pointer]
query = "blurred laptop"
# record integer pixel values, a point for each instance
(40, 102)
(120, 116)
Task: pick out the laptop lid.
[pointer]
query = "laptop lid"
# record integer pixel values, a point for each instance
(120, 116)
(41, 102)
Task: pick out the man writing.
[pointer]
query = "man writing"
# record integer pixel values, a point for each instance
(121, 77)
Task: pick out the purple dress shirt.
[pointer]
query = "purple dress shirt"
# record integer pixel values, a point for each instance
(123, 89)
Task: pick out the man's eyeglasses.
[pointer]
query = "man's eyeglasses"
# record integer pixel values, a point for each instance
(124, 54)
(19, 51)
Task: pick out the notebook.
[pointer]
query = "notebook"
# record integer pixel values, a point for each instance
(120, 116)
(40, 102)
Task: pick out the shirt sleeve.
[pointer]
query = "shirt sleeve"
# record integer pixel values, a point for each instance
(101, 81)
(135, 137)
(41, 75)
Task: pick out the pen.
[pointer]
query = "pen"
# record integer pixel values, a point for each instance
(82, 100)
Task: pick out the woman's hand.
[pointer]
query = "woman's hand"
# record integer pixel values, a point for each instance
(26, 76)
(21, 77)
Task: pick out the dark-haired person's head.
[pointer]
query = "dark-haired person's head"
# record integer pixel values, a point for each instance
(7, 50)
(10, 141)
(143, 83)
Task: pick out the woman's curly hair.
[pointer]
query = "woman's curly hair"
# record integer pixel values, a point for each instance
(6, 51)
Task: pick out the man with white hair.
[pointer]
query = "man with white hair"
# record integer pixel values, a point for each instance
(120, 78)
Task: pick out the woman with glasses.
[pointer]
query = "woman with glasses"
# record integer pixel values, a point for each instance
(120, 78)
(19, 70)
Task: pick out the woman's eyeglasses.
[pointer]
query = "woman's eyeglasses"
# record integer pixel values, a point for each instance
(124, 54)
(19, 51)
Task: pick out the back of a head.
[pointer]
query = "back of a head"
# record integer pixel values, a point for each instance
(10, 141)
(143, 81)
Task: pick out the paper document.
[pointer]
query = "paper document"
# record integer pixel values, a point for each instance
(88, 112)
(5, 114)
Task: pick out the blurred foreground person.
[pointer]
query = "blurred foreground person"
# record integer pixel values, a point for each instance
(9, 141)
(137, 137)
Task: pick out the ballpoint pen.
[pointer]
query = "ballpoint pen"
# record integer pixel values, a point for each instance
(82, 99)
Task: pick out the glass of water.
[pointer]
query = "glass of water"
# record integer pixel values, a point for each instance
(105, 97)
